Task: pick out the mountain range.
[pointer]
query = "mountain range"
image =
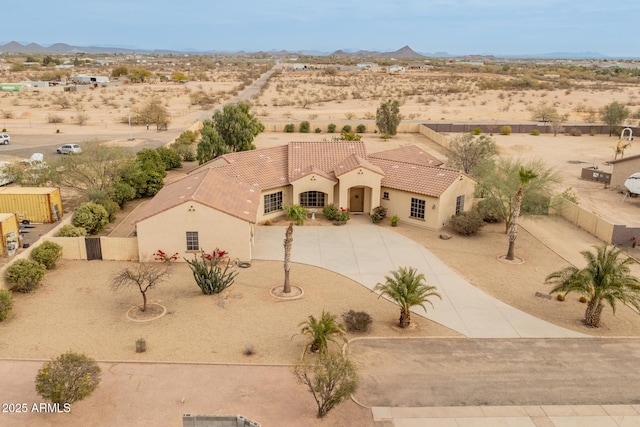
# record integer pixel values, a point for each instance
(403, 53)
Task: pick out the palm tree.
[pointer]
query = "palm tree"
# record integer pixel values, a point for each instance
(526, 176)
(322, 331)
(407, 289)
(606, 278)
(288, 242)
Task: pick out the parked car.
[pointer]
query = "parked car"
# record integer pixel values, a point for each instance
(4, 139)
(69, 149)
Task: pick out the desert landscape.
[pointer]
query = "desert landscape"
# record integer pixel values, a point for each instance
(77, 298)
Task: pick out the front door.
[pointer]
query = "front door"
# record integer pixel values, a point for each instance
(356, 199)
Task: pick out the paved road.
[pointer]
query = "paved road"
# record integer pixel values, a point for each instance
(497, 372)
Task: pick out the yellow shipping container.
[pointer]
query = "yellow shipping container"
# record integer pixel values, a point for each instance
(35, 204)
(9, 234)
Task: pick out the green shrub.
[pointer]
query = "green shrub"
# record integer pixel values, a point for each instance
(357, 321)
(361, 128)
(169, 157)
(331, 128)
(505, 130)
(560, 297)
(47, 254)
(68, 378)
(583, 300)
(476, 131)
(24, 275)
(123, 192)
(535, 132)
(6, 303)
(346, 128)
(70, 230)
(331, 212)
(490, 212)
(318, 130)
(91, 216)
(467, 223)
(305, 127)
(378, 214)
(102, 198)
(296, 213)
(289, 128)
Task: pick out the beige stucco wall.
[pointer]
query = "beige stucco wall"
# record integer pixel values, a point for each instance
(287, 200)
(447, 206)
(621, 171)
(313, 182)
(360, 177)
(167, 231)
(438, 211)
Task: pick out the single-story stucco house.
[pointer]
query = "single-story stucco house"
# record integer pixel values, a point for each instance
(219, 203)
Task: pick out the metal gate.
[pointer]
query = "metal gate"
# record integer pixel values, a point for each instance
(94, 249)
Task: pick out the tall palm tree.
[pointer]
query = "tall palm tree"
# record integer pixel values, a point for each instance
(322, 331)
(288, 242)
(407, 289)
(606, 278)
(526, 176)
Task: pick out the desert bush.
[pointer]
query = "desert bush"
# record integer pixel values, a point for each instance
(141, 345)
(318, 130)
(24, 275)
(535, 132)
(290, 128)
(575, 132)
(378, 214)
(476, 131)
(331, 212)
(489, 212)
(361, 128)
(467, 223)
(560, 297)
(346, 128)
(357, 321)
(505, 130)
(209, 274)
(331, 380)
(350, 116)
(570, 195)
(304, 127)
(583, 299)
(331, 128)
(91, 216)
(47, 254)
(54, 118)
(68, 378)
(71, 230)
(6, 303)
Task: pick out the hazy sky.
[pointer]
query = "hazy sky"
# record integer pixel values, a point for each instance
(454, 26)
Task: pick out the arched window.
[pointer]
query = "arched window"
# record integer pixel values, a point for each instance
(312, 199)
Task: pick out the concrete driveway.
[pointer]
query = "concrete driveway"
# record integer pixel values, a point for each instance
(366, 253)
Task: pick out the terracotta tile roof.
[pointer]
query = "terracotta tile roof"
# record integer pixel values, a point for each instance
(211, 187)
(266, 167)
(322, 155)
(314, 170)
(408, 154)
(419, 179)
(353, 162)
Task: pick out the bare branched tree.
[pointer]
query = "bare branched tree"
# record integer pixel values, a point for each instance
(142, 275)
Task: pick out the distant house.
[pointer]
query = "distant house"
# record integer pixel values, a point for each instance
(219, 204)
(86, 79)
(396, 69)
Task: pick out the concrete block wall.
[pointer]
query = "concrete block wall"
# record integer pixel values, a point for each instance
(189, 420)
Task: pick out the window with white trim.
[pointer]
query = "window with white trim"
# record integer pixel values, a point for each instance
(312, 199)
(273, 202)
(459, 204)
(193, 242)
(417, 208)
